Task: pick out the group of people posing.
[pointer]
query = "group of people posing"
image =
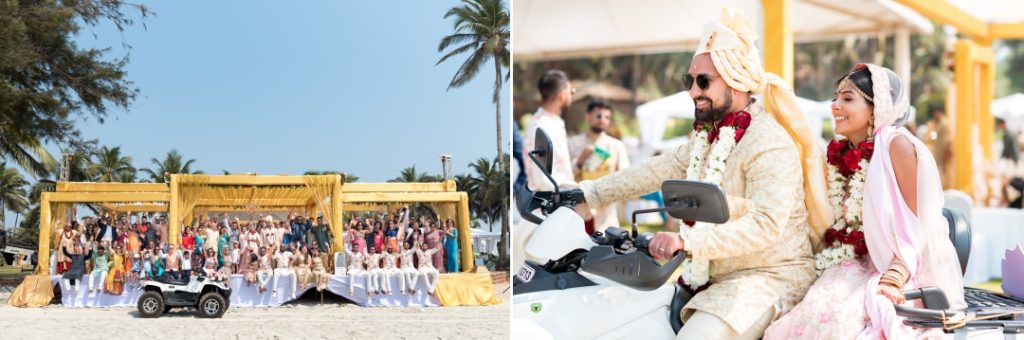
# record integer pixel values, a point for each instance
(265, 252)
(112, 256)
(406, 250)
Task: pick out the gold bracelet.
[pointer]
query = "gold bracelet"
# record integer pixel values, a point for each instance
(892, 282)
(895, 276)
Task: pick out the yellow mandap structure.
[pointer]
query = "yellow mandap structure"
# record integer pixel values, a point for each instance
(187, 194)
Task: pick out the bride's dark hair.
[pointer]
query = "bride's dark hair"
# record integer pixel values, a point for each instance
(861, 78)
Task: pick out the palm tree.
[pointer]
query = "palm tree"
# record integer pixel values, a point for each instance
(126, 177)
(482, 27)
(489, 191)
(25, 150)
(28, 233)
(346, 177)
(409, 175)
(109, 165)
(13, 193)
(172, 164)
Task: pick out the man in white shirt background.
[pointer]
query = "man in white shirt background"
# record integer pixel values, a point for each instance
(556, 95)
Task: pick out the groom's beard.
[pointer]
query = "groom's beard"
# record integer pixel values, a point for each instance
(713, 113)
(596, 129)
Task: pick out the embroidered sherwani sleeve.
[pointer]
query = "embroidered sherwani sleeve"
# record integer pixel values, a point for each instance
(771, 188)
(636, 181)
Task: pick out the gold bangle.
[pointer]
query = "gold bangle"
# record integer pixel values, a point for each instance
(895, 276)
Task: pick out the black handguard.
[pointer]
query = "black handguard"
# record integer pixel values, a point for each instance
(574, 195)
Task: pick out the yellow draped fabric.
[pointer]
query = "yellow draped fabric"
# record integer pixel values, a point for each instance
(191, 190)
(320, 188)
(466, 289)
(444, 211)
(34, 291)
(60, 215)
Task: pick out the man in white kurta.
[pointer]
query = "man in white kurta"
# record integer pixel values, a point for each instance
(760, 260)
(596, 154)
(556, 94)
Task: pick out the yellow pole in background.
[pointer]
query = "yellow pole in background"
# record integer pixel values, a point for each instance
(336, 221)
(964, 121)
(465, 238)
(986, 94)
(43, 268)
(173, 215)
(778, 38)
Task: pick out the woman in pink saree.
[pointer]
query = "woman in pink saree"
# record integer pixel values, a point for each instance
(889, 234)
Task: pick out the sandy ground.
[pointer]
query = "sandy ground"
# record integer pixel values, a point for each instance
(305, 318)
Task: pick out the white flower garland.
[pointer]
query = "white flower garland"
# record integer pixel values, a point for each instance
(850, 219)
(696, 273)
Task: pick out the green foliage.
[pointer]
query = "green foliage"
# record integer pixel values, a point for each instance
(13, 191)
(173, 163)
(47, 82)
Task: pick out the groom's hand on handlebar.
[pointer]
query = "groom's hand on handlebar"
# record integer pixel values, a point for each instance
(665, 245)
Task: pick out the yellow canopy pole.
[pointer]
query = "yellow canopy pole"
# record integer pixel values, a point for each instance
(465, 236)
(336, 221)
(110, 187)
(174, 215)
(985, 95)
(43, 268)
(778, 38)
(964, 120)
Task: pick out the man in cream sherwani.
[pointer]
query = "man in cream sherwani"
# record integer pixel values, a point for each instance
(760, 260)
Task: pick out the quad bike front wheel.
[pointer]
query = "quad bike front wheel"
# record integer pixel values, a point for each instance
(212, 305)
(151, 304)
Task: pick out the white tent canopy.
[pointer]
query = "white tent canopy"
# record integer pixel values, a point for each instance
(585, 28)
(992, 11)
(652, 117)
(1010, 109)
(485, 241)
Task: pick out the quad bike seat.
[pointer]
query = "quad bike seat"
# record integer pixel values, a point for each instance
(167, 279)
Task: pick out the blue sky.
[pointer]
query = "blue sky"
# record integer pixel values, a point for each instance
(283, 87)
(278, 87)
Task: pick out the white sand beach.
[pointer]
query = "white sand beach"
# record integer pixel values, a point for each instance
(305, 318)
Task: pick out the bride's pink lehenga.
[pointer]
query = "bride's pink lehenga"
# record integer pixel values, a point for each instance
(832, 309)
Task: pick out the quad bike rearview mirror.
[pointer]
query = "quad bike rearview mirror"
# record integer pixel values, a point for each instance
(695, 201)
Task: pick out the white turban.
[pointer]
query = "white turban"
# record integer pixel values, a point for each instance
(731, 43)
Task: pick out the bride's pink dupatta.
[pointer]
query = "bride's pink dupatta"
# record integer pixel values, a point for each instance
(892, 230)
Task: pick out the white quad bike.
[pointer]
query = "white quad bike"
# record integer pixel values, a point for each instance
(570, 285)
(210, 298)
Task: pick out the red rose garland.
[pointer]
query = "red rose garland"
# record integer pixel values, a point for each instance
(739, 121)
(846, 157)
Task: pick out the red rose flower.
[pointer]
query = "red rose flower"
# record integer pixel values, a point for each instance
(743, 119)
(867, 148)
(860, 248)
(835, 152)
(854, 237)
(852, 160)
(739, 134)
(830, 236)
(729, 120)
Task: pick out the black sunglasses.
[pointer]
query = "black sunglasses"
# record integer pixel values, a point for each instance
(703, 81)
